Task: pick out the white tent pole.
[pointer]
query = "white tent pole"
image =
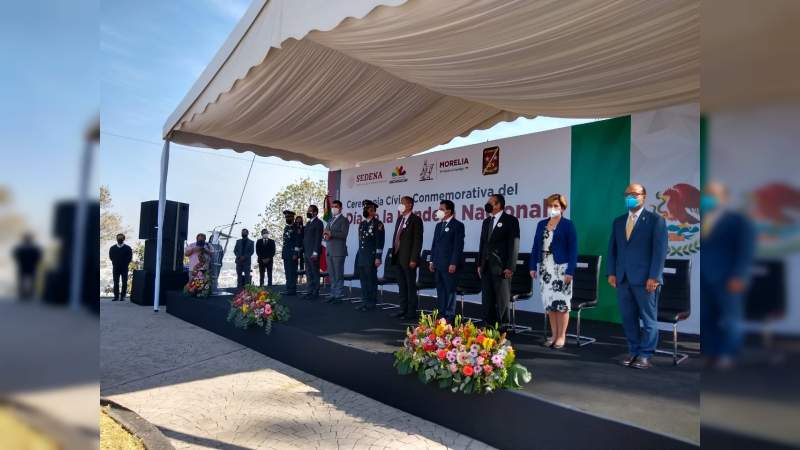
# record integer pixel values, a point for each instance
(162, 203)
(79, 228)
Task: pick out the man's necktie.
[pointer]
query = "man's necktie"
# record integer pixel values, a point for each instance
(629, 227)
(397, 235)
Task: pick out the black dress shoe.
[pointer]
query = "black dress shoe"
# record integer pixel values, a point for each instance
(336, 301)
(401, 314)
(641, 363)
(628, 360)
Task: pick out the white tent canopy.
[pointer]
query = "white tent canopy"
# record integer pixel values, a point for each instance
(346, 82)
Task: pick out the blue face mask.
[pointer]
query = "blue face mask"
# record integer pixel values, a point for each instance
(631, 202)
(708, 203)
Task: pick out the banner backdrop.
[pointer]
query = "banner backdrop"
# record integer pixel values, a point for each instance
(591, 164)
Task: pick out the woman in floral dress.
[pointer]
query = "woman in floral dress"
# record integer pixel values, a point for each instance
(553, 258)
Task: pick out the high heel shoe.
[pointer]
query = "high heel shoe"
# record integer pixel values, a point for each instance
(549, 343)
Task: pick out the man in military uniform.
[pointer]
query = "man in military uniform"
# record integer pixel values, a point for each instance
(290, 253)
(370, 250)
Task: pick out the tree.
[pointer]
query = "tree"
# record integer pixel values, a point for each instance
(110, 222)
(295, 197)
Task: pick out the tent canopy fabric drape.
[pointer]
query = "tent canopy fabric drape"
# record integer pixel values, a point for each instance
(343, 83)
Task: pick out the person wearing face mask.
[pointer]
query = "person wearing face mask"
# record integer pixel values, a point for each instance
(554, 257)
(312, 248)
(406, 247)
(243, 251)
(636, 254)
(120, 255)
(265, 252)
(290, 252)
(446, 253)
(498, 251)
(728, 239)
(335, 236)
(371, 235)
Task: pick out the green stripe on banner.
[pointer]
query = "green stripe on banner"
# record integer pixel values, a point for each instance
(600, 173)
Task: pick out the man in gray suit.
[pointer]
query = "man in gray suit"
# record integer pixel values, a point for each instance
(335, 236)
(312, 248)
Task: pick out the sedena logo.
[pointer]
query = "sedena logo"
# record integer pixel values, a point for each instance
(370, 177)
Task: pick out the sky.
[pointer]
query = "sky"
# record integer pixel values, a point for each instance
(151, 52)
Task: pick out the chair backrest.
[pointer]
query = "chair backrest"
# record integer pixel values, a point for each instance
(468, 280)
(766, 298)
(674, 295)
(425, 279)
(389, 274)
(586, 280)
(521, 281)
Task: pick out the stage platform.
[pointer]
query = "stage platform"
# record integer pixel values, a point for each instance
(578, 398)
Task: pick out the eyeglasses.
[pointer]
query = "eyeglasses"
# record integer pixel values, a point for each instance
(634, 194)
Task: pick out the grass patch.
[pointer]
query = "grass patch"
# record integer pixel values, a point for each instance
(14, 433)
(114, 437)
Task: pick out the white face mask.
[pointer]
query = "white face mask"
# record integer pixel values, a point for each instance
(553, 212)
(439, 214)
(265, 235)
(401, 207)
(335, 211)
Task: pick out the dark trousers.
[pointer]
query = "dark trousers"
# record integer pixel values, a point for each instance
(290, 269)
(265, 266)
(120, 273)
(495, 297)
(368, 276)
(312, 276)
(446, 293)
(25, 285)
(242, 274)
(636, 304)
(407, 281)
(720, 321)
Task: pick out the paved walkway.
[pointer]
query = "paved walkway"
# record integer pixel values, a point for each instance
(204, 391)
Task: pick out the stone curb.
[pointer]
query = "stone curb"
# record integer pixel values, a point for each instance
(151, 437)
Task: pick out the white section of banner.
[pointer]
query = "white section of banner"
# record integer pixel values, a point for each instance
(665, 158)
(529, 168)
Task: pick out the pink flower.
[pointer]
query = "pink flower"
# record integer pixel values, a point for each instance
(453, 368)
(267, 310)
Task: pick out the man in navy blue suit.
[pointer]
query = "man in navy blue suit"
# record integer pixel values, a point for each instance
(446, 252)
(636, 254)
(728, 239)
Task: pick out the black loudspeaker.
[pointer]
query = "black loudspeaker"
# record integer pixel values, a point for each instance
(171, 256)
(143, 286)
(176, 220)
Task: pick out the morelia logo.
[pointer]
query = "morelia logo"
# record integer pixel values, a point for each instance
(370, 177)
(453, 165)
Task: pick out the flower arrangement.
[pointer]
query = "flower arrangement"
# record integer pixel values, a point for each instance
(460, 356)
(199, 284)
(257, 306)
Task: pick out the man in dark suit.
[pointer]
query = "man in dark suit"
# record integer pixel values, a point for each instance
(28, 255)
(728, 250)
(120, 255)
(243, 251)
(265, 252)
(406, 247)
(497, 260)
(636, 254)
(446, 252)
(312, 248)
